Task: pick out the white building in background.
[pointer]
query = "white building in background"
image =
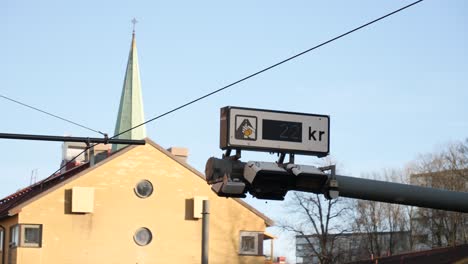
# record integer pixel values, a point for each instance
(352, 246)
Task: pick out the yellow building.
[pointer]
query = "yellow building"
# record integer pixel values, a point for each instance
(140, 204)
(136, 206)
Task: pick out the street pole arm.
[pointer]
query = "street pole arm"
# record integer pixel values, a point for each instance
(73, 139)
(406, 194)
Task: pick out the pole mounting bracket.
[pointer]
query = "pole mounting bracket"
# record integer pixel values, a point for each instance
(282, 156)
(228, 156)
(331, 190)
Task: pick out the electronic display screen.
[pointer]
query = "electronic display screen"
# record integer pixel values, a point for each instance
(282, 130)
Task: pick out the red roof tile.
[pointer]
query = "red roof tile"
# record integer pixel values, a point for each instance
(29, 192)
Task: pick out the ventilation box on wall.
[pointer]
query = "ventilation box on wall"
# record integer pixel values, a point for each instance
(82, 199)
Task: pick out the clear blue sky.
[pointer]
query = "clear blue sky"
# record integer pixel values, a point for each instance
(393, 90)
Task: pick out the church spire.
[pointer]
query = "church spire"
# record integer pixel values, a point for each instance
(131, 101)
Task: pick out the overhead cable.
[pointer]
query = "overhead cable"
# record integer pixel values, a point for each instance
(270, 67)
(246, 78)
(50, 114)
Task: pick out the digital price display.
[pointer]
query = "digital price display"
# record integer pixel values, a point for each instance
(282, 130)
(274, 131)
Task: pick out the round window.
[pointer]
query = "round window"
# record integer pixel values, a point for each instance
(143, 236)
(144, 189)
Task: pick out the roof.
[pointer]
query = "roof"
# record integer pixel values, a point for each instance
(267, 236)
(456, 254)
(25, 194)
(19, 198)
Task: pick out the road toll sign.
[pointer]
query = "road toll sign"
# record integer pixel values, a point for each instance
(274, 131)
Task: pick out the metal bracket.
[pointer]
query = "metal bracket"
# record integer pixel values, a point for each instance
(331, 186)
(227, 155)
(282, 156)
(90, 152)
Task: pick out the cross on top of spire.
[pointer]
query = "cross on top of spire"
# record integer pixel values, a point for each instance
(134, 21)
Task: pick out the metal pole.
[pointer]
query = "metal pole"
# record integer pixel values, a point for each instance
(390, 192)
(271, 249)
(92, 160)
(205, 231)
(72, 139)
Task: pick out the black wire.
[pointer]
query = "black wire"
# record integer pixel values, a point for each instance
(68, 162)
(241, 80)
(269, 68)
(47, 113)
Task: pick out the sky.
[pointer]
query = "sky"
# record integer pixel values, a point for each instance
(393, 90)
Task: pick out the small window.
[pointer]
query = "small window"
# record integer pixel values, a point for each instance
(251, 243)
(14, 236)
(248, 244)
(1, 240)
(144, 189)
(26, 235)
(143, 236)
(31, 235)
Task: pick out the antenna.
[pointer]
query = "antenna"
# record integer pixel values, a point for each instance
(33, 178)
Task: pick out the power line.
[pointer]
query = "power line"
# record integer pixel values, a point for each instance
(68, 162)
(47, 113)
(270, 67)
(243, 79)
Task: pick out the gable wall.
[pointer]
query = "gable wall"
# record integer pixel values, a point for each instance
(106, 236)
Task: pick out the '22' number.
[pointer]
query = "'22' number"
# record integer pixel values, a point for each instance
(290, 131)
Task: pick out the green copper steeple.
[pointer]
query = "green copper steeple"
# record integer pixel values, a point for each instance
(131, 101)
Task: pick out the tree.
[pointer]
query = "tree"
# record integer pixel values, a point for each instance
(382, 222)
(420, 227)
(318, 222)
(445, 169)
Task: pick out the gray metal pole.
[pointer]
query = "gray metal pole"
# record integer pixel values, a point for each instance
(205, 231)
(73, 139)
(390, 192)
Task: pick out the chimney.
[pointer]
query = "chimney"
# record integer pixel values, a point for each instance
(181, 154)
(71, 149)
